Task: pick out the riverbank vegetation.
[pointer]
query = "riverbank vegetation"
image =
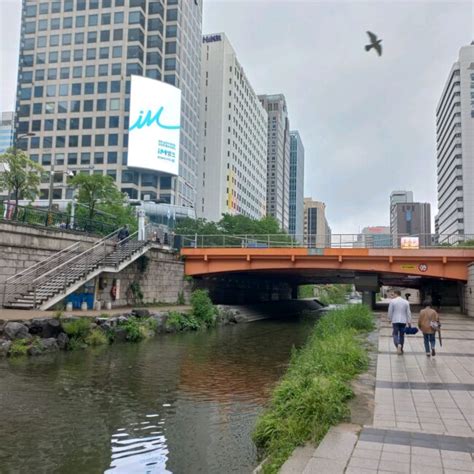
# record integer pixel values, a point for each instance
(327, 294)
(312, 395)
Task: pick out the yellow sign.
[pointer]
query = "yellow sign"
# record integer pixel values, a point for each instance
(408, 267)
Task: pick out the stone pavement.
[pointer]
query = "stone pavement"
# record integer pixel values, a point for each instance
(423, 416)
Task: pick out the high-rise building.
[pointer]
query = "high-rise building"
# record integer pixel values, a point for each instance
(76, 59)
(317, 232)
(455, 148)
(412, 219)
(375, 237)
(278, 162)
(7, 130)
(232, 176)
(296, 204)
(395, 198)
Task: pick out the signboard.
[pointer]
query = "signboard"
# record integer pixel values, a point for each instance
(211, 38)
(155, 123)
(410, 243)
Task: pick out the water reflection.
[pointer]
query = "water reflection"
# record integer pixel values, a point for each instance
(178, 403)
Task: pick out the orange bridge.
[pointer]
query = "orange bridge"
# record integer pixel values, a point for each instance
(308, 264)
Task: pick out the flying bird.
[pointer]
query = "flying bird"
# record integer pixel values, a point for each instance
(374, 43)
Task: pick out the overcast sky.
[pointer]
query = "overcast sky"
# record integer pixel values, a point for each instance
(367, 123)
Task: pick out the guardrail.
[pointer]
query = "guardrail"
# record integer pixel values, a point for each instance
(60, 220)
(379, 241)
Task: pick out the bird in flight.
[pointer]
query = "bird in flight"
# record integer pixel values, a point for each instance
(374, 43)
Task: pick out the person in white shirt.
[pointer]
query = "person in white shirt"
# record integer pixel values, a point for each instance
(399, 315)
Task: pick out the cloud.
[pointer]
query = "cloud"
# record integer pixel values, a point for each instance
(367, 123)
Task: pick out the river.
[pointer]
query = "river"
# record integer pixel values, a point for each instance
(182, 403)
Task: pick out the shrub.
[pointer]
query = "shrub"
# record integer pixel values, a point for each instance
(203, 309)
(180, 322)
(78, 328)
(96, 337)
(19, 347)
(132, 328)
(181, 301)
(312, 395)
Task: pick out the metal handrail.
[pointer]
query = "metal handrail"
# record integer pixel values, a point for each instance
(101, 243)
(320, 241)
(45, 261)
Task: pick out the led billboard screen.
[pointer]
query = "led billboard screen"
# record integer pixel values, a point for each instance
(155, 123)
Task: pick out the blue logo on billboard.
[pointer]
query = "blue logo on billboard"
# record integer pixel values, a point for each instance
(148, 119)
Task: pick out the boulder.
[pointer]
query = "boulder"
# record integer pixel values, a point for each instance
(141, 313)
(122, 319)
(43, 346)
(45, 327)
(62, 340)
(16, 331)
(120, 334)
(4, 347)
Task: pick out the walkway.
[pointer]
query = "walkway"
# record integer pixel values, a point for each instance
(24, 315)
(423, 416)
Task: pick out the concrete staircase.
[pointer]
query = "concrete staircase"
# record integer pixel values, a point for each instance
(50, 281)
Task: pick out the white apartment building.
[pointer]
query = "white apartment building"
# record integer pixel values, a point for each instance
(455, 148)
(278, 164)
(232, 175)
(317, 232)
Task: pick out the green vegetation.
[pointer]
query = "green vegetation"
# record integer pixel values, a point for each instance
(214, 233)
(135, 293)
(182, 322)
(306, 291)
(139, 329)
(203, 309)
(100, 199)
(96, 337)
(21, 177)
(181, 301)
(77, 330)
(19, 347)
(312, 395)
(332, 294)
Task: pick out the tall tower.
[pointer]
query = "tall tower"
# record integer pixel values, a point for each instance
(296, 204)
(233, 170)
(278, 162)
(455, 148)
(76, 59)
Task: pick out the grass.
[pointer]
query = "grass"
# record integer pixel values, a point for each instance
(19, 347)
(312, 395)
(96, 337)
(182, 322)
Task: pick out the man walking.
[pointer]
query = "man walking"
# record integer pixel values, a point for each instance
(399, 315)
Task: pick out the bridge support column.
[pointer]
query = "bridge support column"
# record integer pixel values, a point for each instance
(294, 292)
(368, 298)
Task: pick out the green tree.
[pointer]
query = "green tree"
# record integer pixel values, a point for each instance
(21, 176)
(96, 191)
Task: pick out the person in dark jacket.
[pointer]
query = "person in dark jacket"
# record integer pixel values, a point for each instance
(123, 234)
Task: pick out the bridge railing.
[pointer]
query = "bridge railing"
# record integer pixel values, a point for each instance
(319, 241)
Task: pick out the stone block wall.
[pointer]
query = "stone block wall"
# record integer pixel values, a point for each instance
(21, 246)
(161, 281)
(469, 292)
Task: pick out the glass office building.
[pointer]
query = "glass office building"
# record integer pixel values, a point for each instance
(76, 59)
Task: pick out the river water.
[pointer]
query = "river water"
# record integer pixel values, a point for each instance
(183, 403)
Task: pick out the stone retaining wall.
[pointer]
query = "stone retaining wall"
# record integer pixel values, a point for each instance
(159, 275)
(469, 292)
(21, 246)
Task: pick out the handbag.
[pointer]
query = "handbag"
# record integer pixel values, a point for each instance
(411, 331)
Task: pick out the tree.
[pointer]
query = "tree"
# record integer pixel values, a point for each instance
(97, 190)
(21, 175)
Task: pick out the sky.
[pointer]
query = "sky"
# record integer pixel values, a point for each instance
(367, 122)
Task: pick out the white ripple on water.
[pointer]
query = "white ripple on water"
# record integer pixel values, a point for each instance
(147, 454)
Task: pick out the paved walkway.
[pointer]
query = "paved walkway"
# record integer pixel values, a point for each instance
(24, 315)
(423, 416)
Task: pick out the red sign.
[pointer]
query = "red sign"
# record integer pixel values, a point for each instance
(423, 267)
